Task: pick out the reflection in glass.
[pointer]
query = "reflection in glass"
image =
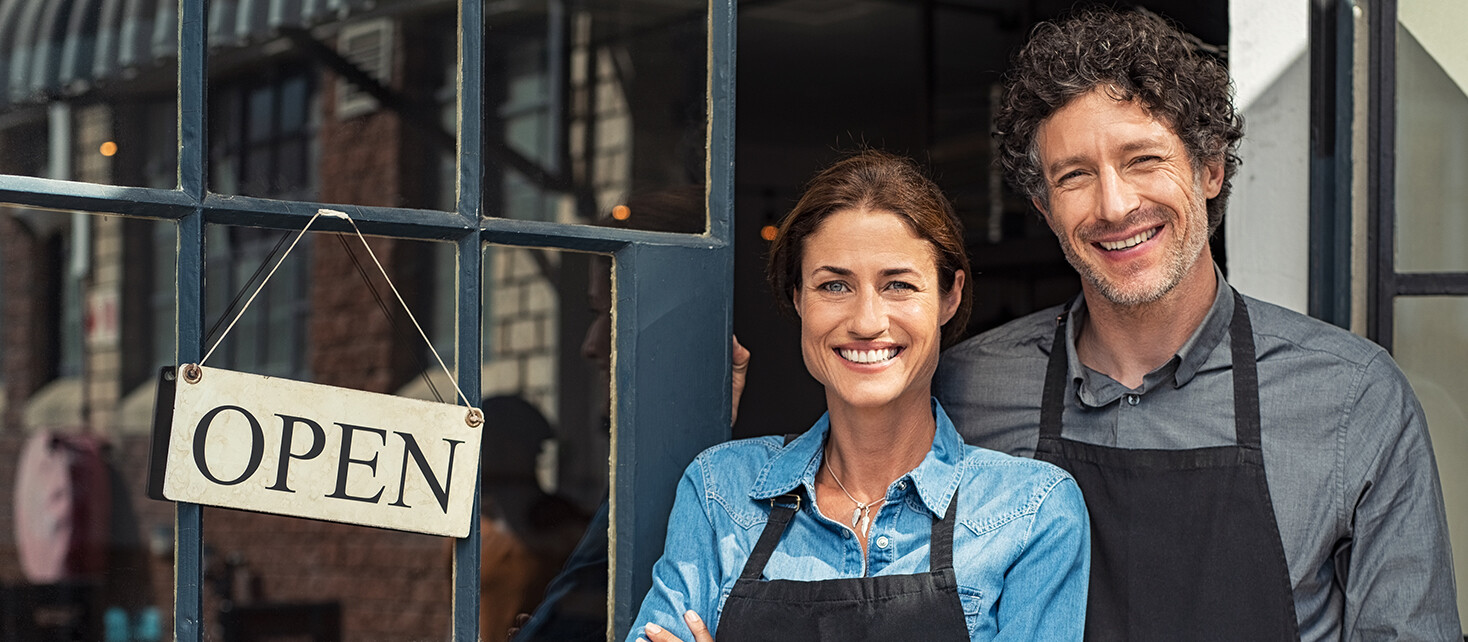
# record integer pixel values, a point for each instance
(590, 103)
(83, 298)
(546, 371)
(1431, 345)
(87, 91)
(348, 102)
(1432, 154)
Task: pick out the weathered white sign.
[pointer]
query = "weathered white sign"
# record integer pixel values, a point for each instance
(274, 445)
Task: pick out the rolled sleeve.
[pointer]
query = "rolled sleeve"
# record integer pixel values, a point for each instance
(1399, 575)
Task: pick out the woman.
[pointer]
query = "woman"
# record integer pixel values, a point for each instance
(878, 522)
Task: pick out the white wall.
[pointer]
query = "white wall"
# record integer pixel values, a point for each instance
(1267, 229)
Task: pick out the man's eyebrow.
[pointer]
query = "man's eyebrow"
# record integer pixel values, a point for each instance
(1055, 167)
(1129, 147)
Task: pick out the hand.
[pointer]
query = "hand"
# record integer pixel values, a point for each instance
(657, 633)
(741, 367)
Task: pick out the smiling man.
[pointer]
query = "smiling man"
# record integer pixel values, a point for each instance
(1251, 473)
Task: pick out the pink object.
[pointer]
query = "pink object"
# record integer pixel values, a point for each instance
(62, 506)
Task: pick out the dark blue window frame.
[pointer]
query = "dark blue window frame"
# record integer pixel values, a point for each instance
(671, 290)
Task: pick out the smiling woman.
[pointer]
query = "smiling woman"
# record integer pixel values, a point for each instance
(852, 530)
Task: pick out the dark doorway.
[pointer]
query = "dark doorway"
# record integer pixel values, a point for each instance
(821, 77)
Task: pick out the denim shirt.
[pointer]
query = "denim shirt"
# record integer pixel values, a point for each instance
(1021, 541)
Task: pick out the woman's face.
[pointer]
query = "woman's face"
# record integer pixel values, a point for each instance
(871, 309)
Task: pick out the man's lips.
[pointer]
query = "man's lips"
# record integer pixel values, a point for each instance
(1130, 241)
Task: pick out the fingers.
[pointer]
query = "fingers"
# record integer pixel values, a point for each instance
(741, 367)
(521, 619)
(695, 624)
(657, 633)
(700, 630)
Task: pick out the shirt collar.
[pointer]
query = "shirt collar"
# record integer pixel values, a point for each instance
(935, 479)
(1189, 358)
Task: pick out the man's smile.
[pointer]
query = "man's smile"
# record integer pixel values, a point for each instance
(1129, 242)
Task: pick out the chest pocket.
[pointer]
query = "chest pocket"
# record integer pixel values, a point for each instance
(974, 608)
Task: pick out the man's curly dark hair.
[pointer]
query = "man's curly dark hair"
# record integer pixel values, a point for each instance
(1133, 55)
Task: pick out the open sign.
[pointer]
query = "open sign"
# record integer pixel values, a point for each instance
(273, 445)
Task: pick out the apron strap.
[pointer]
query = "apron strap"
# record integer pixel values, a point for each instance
(1053, 402)
(1246, 375)
(940, 539)
(782, 508)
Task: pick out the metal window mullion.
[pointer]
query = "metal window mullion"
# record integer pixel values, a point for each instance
(470, 161)
(188, 561)
(188, 574)
(467, 550)
(1381, 182)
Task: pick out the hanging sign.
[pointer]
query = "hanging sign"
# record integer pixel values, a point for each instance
(273, 445)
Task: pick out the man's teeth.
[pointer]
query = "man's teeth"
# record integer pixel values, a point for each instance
(1126, 243)
(868, 356)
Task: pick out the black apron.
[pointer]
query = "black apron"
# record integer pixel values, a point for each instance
(1184, 544)
(921, 606)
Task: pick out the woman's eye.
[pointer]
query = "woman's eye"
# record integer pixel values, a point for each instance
(832, 286)
(902, 285)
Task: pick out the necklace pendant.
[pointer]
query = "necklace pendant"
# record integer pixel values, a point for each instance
(864, 521)
(856, 515)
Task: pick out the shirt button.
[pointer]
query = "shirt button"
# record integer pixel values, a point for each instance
(846, 534)
(902, 485)
(1133, 399)
(882, 541)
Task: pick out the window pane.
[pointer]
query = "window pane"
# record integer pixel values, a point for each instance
(546, 373)
(1432, 144)
(341, 102)
(1431, 345)
(78, 437)
(87, 91)
(592, 106)
(328, 316)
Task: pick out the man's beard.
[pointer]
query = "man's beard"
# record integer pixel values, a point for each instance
(1178, 259)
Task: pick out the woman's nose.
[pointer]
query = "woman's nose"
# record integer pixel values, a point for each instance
(869, 318)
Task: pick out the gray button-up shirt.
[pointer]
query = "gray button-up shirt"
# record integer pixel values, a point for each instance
(1346, 450)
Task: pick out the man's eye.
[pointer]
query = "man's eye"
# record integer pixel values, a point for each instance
(1146, 159)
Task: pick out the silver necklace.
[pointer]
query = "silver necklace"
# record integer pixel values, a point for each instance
(860, 516)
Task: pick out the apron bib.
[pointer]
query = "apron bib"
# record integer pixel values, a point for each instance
(921, 606)
(1184, 544)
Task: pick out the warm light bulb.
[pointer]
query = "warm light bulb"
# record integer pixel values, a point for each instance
(768, 232)
(621, 212)
(108, 148)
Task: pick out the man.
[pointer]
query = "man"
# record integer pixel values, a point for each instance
(1251, 473)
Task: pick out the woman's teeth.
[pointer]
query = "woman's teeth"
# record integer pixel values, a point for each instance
(867, 356)
(1131, 242)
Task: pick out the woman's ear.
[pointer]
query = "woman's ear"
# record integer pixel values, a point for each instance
(952, 298)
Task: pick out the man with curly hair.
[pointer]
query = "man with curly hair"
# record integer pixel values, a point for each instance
(1251, 473)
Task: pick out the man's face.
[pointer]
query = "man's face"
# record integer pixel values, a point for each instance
(1126, 202)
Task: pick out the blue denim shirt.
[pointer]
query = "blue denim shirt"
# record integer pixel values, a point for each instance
(1021, 543)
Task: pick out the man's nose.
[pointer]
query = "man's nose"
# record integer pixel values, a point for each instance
(1117, 196)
